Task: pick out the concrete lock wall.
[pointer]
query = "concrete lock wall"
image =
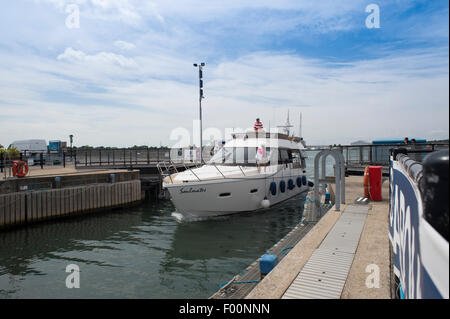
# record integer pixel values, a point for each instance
(66, 180)
(32, 206)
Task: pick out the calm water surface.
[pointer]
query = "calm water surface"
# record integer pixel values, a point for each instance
(140, 252)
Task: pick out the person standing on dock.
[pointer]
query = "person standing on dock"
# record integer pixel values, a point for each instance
(258, 125)
(415, 155)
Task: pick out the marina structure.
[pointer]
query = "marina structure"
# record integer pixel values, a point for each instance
(326, 255)
(396, 247)
(45, 197)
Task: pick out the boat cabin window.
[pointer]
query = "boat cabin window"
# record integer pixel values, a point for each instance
(297, 159)
(245, 156)
(294, 156)
(285, 156)
(251, 156)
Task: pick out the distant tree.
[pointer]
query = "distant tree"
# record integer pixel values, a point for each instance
(83, 148)
(11, 152)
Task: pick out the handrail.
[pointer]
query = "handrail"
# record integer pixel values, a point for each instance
(219, 170)
(362, 154)
(317, 147)
(242, 170)
(245, 177)
(190, 169)
(166, 170)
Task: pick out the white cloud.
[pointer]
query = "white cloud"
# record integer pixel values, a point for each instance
(402, 94)
(124, 45)
(62, 4)
(77, 84)
(406, 92)
(131, 12)
(102, 58)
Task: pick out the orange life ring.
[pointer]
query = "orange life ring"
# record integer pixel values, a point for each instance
(366, 182)
(19, 168)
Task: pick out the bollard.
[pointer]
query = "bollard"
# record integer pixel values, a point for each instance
(375, 178)
(267, 263)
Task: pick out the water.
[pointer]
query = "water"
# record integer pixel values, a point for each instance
(140, 252)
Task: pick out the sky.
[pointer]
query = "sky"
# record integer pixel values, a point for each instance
(120, 72)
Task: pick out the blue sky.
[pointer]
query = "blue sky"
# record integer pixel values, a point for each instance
(125, 76)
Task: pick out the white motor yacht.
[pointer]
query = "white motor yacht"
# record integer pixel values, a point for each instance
(253, 170)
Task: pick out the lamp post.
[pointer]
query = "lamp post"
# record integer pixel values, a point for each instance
(200, 82)
(71, 149)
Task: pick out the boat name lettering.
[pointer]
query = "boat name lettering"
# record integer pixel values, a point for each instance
(185, 190)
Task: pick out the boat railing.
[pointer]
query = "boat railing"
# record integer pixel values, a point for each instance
(219, 170)
(168, 168)
(190, 169)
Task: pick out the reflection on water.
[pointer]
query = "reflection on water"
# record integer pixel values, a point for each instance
(141, 252)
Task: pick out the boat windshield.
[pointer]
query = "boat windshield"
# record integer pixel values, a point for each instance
(249, 156)
(243, 156)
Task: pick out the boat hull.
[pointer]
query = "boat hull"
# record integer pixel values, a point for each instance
(230, 196)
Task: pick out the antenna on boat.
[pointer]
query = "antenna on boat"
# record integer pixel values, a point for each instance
(286, 126)
(200, 82)
(300, 126)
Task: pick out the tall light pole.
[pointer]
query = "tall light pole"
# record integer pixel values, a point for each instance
(200, 83)
(71, 148)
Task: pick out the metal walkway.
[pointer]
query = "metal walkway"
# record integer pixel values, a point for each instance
(324, 275)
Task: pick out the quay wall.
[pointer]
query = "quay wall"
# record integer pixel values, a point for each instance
(78, 178)
(21, 208)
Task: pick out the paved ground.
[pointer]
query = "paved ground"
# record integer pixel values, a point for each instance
(372, 252)
(373, 249)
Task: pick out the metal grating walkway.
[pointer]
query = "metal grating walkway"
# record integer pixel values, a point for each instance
(325, 273)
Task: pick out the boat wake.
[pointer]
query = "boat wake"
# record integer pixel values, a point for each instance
(178, 217)
(184, 218)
